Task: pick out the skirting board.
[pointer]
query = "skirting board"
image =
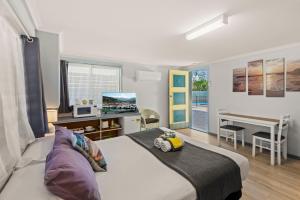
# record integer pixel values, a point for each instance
(249, 144)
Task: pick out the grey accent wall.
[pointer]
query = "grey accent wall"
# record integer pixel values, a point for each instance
(50, 61)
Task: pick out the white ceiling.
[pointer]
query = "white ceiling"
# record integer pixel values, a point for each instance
(152, 31)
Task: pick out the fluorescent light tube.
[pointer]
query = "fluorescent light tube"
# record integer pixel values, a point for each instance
(207, 27)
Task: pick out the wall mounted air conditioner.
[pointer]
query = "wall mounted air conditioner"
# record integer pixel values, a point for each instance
(148, 76)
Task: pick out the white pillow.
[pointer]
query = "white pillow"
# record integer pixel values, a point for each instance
(152, 116)
(36, 152)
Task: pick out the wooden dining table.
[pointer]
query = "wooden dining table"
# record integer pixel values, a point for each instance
(254, 120)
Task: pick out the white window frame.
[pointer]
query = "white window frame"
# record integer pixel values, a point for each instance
(95, 65)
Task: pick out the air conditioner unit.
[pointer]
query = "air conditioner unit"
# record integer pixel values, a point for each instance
(148, 76)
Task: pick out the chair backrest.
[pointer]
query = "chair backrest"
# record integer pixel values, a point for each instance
(220, 111)
(283, 126)
(147, 113)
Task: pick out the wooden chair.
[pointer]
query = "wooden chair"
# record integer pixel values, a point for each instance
(231, 131)
(280, 139)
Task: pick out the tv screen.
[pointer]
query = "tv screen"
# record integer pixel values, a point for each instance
(118, 102)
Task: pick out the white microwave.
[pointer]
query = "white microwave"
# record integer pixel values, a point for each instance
(84, 111)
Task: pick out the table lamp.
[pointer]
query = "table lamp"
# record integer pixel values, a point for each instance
(52, 117)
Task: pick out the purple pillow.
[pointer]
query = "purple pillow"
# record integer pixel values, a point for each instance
(68, 174)
(63, 137)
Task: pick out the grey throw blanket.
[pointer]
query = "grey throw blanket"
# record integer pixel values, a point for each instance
(214, 176)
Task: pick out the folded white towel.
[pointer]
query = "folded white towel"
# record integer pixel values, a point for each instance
(166, 146)
(158, 142)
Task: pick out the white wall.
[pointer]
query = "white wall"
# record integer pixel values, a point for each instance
(150, 94)
(221, 96)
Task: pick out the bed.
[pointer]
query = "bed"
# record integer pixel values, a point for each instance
(133, 174)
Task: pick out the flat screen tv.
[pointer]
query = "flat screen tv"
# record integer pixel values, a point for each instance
(118, 102)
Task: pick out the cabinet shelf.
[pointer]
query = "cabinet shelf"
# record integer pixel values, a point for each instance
(102, 131)
(92, 132)
(110, 129)
(129, 123)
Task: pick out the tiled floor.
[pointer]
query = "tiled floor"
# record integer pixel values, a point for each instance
(200, 118)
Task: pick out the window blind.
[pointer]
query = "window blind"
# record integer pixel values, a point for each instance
(89, 81)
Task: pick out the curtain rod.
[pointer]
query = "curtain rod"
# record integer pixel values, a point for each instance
(19, 21)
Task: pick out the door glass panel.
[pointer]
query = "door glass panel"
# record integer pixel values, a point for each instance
(179, 115)
(200, 119)
(178, 81)
(179, 98)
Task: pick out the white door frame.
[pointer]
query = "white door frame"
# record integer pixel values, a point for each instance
(190, 93)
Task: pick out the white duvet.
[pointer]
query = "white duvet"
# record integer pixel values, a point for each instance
(133, 174)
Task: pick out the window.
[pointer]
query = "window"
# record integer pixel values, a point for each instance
(89, 81)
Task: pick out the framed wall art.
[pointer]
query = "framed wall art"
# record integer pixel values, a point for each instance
(239, 80)
(275, 79)
(255, 78)
(293, 76)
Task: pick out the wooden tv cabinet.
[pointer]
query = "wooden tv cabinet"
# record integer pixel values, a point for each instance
(128, 123)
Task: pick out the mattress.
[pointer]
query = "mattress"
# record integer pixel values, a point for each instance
(133, 174)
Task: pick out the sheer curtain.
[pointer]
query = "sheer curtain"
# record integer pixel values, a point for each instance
(15, 131)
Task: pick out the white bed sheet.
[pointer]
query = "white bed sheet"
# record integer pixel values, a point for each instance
(36, 151)
(133, 174)
(27, 184)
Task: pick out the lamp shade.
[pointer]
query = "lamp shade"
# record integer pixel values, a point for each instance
(52, 115)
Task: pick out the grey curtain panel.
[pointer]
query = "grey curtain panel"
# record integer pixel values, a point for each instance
(36, 106)
(64, 106)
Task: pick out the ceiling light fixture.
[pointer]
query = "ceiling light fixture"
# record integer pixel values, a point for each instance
(209, 26)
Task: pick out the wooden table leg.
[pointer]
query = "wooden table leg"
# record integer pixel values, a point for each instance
(272, 145)
(218, 130)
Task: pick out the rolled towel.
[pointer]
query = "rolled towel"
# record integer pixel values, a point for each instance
(166, 146)
(167, 135)
(176, 143)
(157, 142)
